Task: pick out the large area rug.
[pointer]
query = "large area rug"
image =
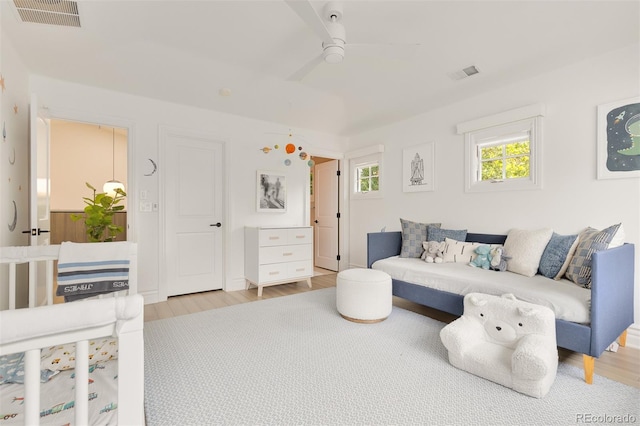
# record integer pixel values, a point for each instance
(294, 360)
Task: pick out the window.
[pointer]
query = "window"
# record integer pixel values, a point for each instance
(503, 156)
(367, 177)
(505, 160)
(365, 167)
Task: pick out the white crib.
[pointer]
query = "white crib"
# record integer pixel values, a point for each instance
(30, 329)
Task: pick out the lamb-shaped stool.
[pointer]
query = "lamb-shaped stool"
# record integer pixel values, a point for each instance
(505, 340)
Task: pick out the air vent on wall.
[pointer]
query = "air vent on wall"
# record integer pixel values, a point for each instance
(51, 12)
(464, 73)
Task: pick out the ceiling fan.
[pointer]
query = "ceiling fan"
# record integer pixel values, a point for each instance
(330, 29)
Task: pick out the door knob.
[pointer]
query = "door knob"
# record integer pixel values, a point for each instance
(216, 224)
(316, 221)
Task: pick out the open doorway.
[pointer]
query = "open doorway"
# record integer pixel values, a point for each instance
(325, 214)
(83, 153)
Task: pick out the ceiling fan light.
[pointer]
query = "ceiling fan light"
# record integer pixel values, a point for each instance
(333, 54)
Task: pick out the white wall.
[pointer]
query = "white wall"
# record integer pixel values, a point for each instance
(571, 199)
(244, 140)
(14, 178)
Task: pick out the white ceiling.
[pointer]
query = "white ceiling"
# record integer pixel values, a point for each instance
(186, 51)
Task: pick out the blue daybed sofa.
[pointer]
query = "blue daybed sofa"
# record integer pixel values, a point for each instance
(612, 295)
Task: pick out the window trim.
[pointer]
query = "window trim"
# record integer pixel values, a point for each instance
(358, 179)
(360, 158)
(492, 129)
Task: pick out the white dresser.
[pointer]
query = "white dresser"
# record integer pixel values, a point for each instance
(278, 255)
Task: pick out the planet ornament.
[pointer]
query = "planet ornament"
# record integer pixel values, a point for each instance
(290, 148)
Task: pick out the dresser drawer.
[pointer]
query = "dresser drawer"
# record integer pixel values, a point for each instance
(300, 269)
(273, 237)
(273, 272)
(279, 254)
(300, 235)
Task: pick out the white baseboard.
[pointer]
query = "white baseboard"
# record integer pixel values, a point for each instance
(150, 297)
(633, 336)
(236, 284)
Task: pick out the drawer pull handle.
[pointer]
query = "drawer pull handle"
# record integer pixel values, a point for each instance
(274, 273)
(300, 236)
(287, 254)
(274, 238)
(300, 269)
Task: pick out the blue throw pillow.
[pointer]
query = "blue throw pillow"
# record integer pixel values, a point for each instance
(591, 240)
(438, 234)
(555, 254)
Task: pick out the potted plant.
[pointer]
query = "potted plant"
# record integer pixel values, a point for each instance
(98, 215)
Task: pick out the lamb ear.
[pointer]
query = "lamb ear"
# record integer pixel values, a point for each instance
(526, 312)
(476, 301)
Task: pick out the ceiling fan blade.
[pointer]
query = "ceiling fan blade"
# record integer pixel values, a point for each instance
(308, 14)
(385, 50)
(306, 69)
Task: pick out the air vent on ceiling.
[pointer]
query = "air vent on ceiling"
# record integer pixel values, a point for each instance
(51, 12)
(464, 73)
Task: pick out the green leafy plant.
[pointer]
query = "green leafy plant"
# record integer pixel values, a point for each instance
(98, 215)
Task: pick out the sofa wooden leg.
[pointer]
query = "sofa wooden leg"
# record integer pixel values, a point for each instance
(589, 364)
(622, 340)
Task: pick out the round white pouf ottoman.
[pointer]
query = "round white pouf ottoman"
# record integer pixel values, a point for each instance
(363, 295)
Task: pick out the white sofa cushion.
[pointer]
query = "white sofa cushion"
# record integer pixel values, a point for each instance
(568, 301)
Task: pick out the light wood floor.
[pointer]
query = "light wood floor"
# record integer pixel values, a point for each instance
(622, 366)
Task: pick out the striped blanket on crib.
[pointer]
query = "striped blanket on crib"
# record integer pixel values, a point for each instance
(89, 269)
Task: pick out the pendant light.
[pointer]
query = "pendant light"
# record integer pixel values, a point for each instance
(110, 187)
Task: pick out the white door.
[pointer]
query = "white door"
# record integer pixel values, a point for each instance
(194, 213)
(325, 178)
(39, 192)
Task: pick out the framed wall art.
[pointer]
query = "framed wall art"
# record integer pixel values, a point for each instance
(418, 168)
(271, 193)
(619, 139)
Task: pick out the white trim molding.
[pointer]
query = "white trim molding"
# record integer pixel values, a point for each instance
(535, 110)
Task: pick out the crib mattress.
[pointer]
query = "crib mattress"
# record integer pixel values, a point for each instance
(57, 398)
(567, 300)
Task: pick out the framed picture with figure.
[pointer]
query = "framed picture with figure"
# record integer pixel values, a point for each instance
(271, 193)
(619, 139)
(418, 168)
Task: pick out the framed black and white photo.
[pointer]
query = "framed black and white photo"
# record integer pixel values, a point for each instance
(271, 192)
(619, 139)
(418, 168)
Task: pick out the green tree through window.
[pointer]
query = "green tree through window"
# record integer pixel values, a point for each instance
(368, 178)
(505, 161)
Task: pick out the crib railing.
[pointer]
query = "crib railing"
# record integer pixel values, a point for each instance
(76, 322)
(79, 322)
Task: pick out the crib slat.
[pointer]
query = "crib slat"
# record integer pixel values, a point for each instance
(12, 285)
(32, 284)
(82, 383)
(49, 282)
(32, 387)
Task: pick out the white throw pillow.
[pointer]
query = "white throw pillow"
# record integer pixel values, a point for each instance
(526, 248)
(459, 251)
(618, 238)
